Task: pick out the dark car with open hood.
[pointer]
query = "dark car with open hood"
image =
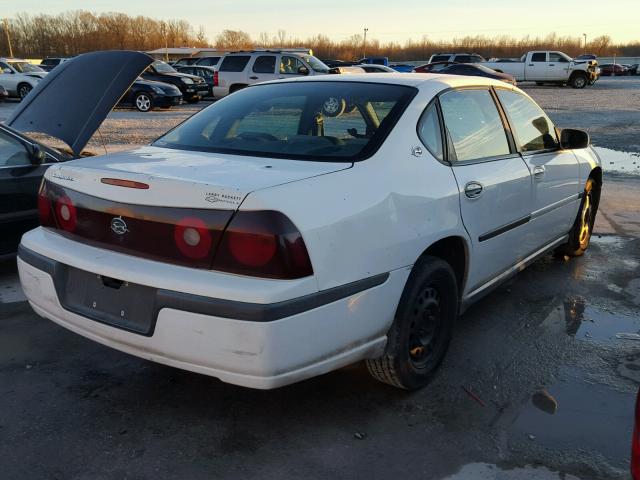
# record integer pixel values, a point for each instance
(56, 107)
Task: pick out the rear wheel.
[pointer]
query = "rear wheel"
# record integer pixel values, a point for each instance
(23, 90)
(143, 102)
(421, 331)
(235, 88)
(539, 83)
(580, 234)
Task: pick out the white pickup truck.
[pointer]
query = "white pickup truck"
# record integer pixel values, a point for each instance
(549, 67)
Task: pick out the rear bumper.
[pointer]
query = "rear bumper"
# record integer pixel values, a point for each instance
(219, 92)
(254, 345)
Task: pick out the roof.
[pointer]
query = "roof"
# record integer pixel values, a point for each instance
(408, 79)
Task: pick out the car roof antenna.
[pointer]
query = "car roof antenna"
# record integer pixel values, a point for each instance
(102, 140)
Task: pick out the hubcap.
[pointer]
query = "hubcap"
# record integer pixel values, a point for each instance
(143, 102)
(425, 328)
(24, 91)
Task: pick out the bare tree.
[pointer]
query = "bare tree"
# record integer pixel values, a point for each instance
(234, 39)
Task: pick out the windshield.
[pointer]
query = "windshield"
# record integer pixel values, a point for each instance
(321, 121)
(316, 64)
(25, 67)
(162, 67)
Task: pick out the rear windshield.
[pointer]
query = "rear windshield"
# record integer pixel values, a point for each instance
(440, 58)
(235, 63)
(321, 121)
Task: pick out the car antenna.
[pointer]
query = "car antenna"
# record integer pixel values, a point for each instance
(102, 140)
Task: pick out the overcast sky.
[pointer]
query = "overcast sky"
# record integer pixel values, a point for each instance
(386, 19)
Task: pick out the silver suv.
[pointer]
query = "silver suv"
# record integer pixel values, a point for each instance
(240, 69)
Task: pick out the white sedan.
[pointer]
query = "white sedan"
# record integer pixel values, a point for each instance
(298, 226)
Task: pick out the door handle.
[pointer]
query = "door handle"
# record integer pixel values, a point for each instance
(552, 64)
(531, 64)
(473, 189)
(253, 78)
(538, 172)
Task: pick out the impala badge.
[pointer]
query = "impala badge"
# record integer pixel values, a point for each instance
(119, 226)
(416, 151)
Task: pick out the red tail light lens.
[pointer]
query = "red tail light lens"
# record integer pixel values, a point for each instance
(193, 238)
(215, 78)
(44, 207)
(263, 244)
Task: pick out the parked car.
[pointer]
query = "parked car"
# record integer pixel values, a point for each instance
(19, 77)
(145, 95)
(549, 67)
(457, 57)
(633, 69)
(50, 63)
(376, 68)
(475, 70)
(210, 61)
(193, 88)
(3, 94)
(402, 67)
(373, 61)
(184, 61)
(269, 238)
(611, 69)
(207, 73)
(24, 160)
(238, 70)
(433, 67)
(586, 56)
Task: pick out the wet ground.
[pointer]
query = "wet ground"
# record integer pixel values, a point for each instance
(540, 383)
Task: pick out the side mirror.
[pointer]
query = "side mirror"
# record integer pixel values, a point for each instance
(303, 71)
(572, 139)
(36, 155)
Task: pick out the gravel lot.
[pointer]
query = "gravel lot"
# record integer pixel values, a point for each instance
(536, 385)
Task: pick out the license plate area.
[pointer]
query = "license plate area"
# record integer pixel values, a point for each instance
(112, 301)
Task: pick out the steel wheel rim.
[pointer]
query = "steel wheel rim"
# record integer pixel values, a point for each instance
(426, 328)
(585, 219)
(580, 82)
(143, 102)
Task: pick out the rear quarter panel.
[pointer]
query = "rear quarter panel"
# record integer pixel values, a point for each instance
(379, 215)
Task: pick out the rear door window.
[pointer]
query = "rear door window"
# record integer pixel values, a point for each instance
(539, 57)
(235, 63)
(290, 65)
(209, 61)
(532, 128)
(440, 58)
(473, 125)
(265, 64)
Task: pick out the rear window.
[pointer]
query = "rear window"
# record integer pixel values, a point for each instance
(322, 121)
(208, 61)
(265, 64)
(440, 58)
(539, 57)
(235, 63)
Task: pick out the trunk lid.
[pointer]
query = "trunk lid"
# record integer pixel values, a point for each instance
(180, 178)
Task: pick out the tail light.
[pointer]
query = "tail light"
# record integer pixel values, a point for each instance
(44, 207)
(635, 443)
(215, 78)
(264, 244)
(259, 244)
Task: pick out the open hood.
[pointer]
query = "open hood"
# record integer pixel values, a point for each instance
(73, 100)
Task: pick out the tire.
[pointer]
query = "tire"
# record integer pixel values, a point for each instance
(235, 88)
(143, 102)
(579, 80)
(422, 328)
(580, 234)
(539, 83)
(23, 90)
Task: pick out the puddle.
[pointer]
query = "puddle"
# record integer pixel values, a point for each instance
(614, 161)
(576, 415)
(586, 322)
(609, 240)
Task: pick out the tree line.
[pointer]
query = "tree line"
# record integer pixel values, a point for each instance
(74, 32)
